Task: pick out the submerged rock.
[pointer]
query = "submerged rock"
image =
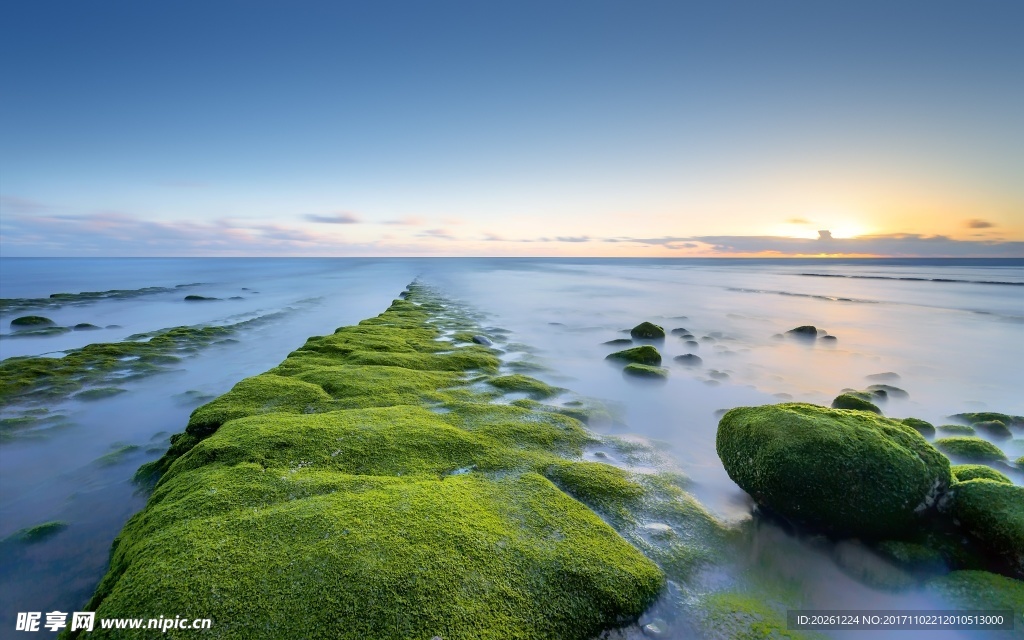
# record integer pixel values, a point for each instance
(689, 360)
(849, 401)
(645, 354)
(981, 416)
(195, 298)
(923, 427)
(38, 533)
(647, 331)
(679, 331)
(995, 429)
(645, 371)
(618, 342)
(32, 322)
(993, 513)
(970, 449)
(888, 390)
(847, 472)
(965, 472)
(889, 376)
(484, 340)
(948, 430)
(85, 326)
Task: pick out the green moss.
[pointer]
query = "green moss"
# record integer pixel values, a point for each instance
(993, 513)
(116, 456)
(981, 590)
(915, 557)
(994, 429)
(849, 401)
(645, 354)
(56, 300)
(297, 506)
(31, 321)
(923, 427)
(965, 472)
(949, 430)
(744, 617)
(970, 449)
(525, 384)
(34, 379)
(38, 533)
(647, 331)
(98, 393)
(848, 472)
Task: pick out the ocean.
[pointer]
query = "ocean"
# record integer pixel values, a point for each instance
(951, 333)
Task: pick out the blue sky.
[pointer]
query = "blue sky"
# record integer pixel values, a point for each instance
(485, 128)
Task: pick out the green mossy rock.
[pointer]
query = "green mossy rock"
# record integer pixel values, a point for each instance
(982, 590)
(914, 557)
(365, 489)
(525, 384)
(847, 472)
(995, 429)
(31, 322)
(647, 331)
(951, 430)
(965, 472)
(983, 416)
(38, 533)
(645, 354)
(970, 449)
(923, 427)
(993, 513)
(645, 371)
(848, 401)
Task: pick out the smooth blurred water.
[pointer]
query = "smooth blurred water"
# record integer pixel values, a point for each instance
(955, 345)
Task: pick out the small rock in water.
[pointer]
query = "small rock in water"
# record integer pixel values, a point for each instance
(689, 359)
(601, 454)
(829, 338)
(804, 331)
(692, 343)
(889, 390)
(484, 340)
(678, 331)
(85, 326)
(113, 326)
(647, 331)
(618, 342)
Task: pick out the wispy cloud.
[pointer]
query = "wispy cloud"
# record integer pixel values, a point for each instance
(978, 223)
(441, 234)
(342, 217)
(410, 221)
(798, 221)
(15, 205)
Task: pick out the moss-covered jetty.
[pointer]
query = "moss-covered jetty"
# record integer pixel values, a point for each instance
(371, 487)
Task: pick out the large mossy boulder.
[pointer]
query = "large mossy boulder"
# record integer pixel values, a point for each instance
(848, 401)
(993, 513)
(845, 472)
(647, 331)
(970, 449)
(641, 355)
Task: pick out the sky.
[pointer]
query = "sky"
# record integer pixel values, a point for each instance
(632, 128)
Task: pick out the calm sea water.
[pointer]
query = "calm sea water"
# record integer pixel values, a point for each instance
(952, 330)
